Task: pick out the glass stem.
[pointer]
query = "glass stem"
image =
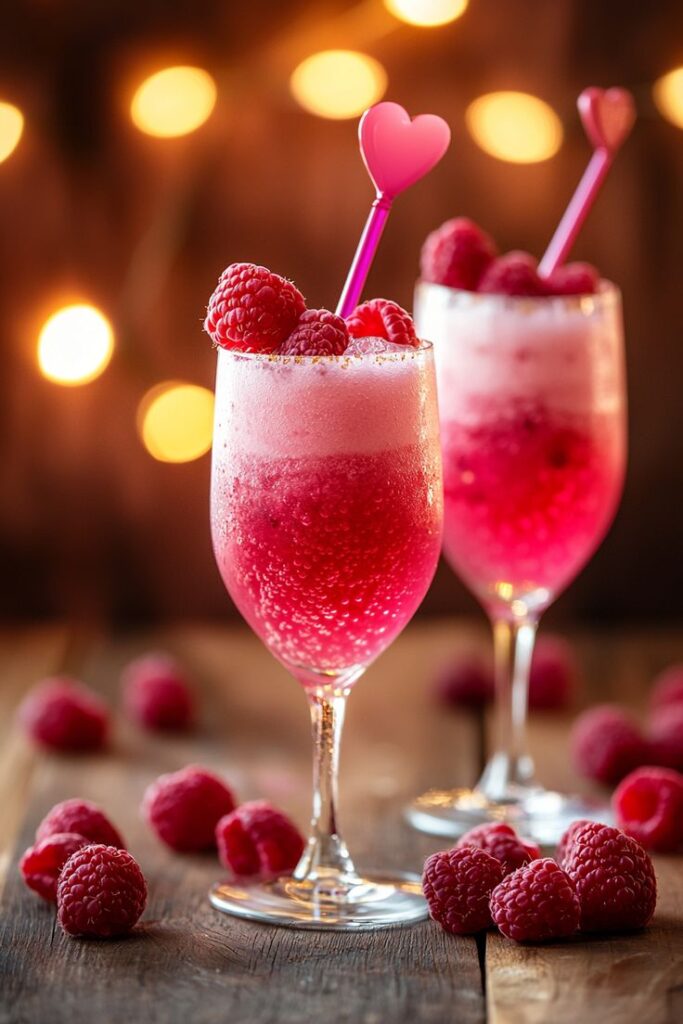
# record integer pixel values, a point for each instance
(326, 855)
(511, 767)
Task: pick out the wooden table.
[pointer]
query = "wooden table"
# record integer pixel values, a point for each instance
(186, 962)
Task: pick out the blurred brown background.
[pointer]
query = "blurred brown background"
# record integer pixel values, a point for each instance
(90, 524)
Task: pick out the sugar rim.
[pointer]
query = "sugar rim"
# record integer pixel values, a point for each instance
(345, 359)
(607, 295)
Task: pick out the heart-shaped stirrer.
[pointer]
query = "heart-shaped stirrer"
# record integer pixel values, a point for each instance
(607, 116)
(397, 152)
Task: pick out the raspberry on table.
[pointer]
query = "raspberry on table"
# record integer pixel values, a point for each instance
(648, 806)
(567, 838)
(466, 681)
(41, 864)
(668, 687)
(252, 309)
(83, 817)
(536, 903)
(258, 840)
(606, 744)
(101, 892)
(318, 333)
(156, 693)
(63, 714)
(613, 877)
(457, 885)
(665, 736)
(184, 807)
(502, 842)
(457, 254)
(573, 279)
(553, 674)
(515, 273)
(381, 318)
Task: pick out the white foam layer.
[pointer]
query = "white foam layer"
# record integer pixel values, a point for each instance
(275, 406)
(565, 352)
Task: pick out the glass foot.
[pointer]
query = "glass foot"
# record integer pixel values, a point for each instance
(335, 902)
(536, 813)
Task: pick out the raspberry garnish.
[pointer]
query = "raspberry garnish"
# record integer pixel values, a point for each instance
(184, 807)
(457, 254)
(552, 676)
(536, 903)
(567, 839)
(648, 806)
(381, 318)
(573, 279)
(156, 693)
(665, 736)
(503, 843)
(457, 885)
(668, 687)
(42, 862)
(62, 714)
(82, 817)
(606, 744)
(515, 273)
(613, 877)
(257, 839)
(101, 892)
(318, 333)
(252, 309)
(466, 681)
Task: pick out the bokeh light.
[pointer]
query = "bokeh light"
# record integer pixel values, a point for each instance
(173, 102)
(11, 128)
(668, 95)
(514, 126)
(175, 421)
(75, 345)
(426, 13)
(338, 83)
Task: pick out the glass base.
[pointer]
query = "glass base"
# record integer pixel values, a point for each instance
(534, 812)
(331, 901)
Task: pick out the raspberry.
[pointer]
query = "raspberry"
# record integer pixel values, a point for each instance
(82, 817)
(380, 318)
(318, 333)
(466, 682)
(573, 279)
(536, 903)
(648, 806)
(457, 885)
(62, 714)
(252, 309)
(41, 863)
(257, 839)
(606, 744)
(567, 838)
(457, 254)
(613, 877)
(184, 807)
(503, 843)
(668, 687)
(101, 892)
(665, 736)
(515, 273)
(156, 693)
(552, 676)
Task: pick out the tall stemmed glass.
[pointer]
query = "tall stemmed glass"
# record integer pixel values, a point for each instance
(533, 431)
(326, 515)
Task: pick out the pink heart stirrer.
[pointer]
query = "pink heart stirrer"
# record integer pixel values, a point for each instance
(397, 152)
(607, 117)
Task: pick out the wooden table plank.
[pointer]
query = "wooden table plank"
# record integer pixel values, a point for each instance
(187, 960)
(602, 979)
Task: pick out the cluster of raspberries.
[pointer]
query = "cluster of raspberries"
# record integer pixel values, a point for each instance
(79, 860)
(254, 310)
(601, 880)
(460, 255)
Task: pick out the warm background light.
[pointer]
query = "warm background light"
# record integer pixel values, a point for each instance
(175, 421)
(173, 102)
(426, 13)
(668, 94)
(338, 83)
(514, 126)
(75, 345)
(11, 127)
